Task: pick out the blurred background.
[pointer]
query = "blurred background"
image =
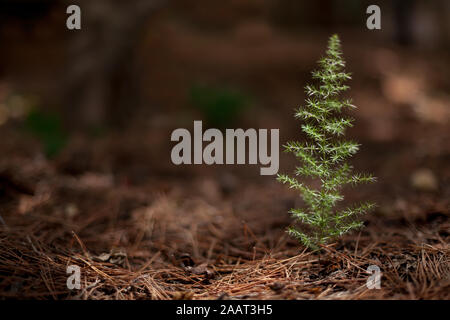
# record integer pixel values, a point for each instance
(85, 123)
(105, 99)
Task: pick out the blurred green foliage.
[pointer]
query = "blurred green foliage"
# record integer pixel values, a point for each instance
(48, 128)
(221, 106)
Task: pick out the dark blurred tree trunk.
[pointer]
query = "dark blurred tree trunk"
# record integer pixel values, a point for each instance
(292, 13)
(100, 67)
(403, 15)
(27, 12)
(443, 17)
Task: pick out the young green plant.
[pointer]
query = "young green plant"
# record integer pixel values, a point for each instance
(324, 157)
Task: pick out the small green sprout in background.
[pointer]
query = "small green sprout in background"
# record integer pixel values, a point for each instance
(323, 156)
(221, 106)
(45, 126)
(48, 128)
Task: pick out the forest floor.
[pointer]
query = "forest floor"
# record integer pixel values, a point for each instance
(220, 236)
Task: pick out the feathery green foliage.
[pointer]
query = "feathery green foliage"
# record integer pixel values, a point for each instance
(323, 156)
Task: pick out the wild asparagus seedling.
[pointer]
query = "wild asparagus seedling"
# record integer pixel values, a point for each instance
(323, 156)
